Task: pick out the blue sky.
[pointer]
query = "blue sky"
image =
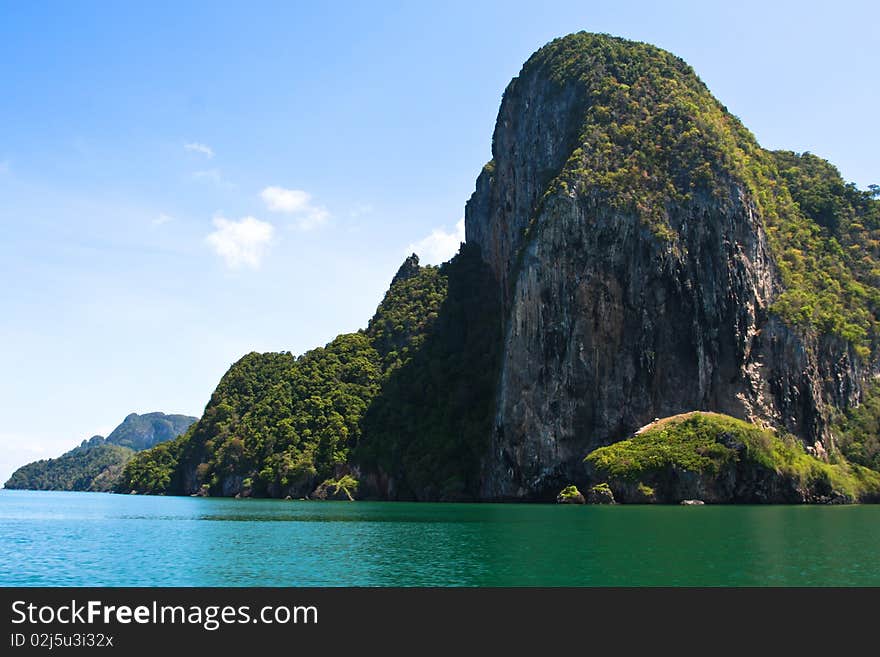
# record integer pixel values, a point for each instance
(183, 184)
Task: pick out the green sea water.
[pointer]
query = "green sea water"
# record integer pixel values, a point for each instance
(94, 539)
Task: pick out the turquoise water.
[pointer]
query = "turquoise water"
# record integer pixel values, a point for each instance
(94, 539)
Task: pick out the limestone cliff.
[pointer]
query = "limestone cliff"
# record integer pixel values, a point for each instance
(631, 253)
(624, 214)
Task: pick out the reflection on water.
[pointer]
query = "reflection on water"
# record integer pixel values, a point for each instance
(116, 540)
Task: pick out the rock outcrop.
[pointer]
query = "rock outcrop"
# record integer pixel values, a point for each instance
(616, 313)
(694, 458)
(600, 494)
(570, 495)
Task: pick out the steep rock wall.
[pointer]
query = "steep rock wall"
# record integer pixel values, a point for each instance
(609, 325)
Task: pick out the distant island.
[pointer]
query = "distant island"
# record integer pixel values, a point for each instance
(96, 463)
(649, 307)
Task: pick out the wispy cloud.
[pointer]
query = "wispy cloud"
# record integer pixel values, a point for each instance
(241, 243)
(196, 147)
(440, 245)
(162, 219)
(278, 199)
(295, 202)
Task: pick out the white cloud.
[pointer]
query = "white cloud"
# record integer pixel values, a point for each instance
(440, 245)
(241, 243)
(312, 219)
(278, 199)
(162, 219)
(296, 202)
(196, 147)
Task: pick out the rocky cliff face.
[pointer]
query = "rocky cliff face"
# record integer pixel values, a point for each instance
(615, 315)
(139, 432)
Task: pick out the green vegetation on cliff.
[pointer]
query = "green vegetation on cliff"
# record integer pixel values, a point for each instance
(280, 421)
(687, 444)
(653, 136)
(430, 426)
(829, 251)
(411, 394)
(711, 446)
(857, 430)
(403, 319)
(153, 471)
(86, 469)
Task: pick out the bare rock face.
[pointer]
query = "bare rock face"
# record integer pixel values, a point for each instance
(608, 325)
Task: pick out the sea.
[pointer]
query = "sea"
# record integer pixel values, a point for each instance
(99, 539)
